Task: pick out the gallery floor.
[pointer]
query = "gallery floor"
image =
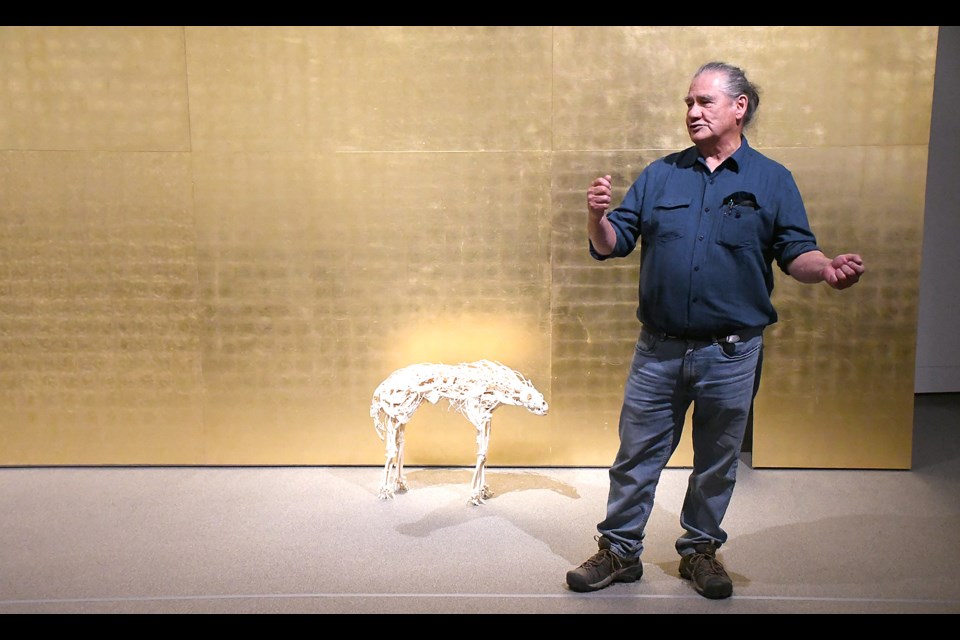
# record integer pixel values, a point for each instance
(317, 539)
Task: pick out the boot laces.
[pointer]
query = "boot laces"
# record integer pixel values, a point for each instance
(707, 564)
(602, 556)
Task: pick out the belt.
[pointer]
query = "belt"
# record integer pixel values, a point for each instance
(740, 335)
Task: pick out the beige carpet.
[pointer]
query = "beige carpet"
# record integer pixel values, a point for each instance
(317, 540)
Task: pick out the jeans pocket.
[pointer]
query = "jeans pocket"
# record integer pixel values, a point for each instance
(647, 341)
(741, 350)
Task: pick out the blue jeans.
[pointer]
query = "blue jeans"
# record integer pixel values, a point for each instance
(667, 375)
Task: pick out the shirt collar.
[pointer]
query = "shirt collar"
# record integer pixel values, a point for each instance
(690, 156)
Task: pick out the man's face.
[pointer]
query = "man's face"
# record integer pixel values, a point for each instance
(711, 115)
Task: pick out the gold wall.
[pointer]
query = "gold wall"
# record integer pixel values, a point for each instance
(217, 241)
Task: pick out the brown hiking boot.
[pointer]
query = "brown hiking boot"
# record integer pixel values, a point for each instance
(604, 568)
(705, 571)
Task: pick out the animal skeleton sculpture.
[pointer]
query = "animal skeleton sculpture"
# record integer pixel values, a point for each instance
(474, 390)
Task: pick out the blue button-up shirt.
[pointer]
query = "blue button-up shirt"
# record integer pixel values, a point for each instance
(708, 240)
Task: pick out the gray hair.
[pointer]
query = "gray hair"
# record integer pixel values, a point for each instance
(736, 85)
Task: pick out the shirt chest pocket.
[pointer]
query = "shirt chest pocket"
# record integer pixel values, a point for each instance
(741, 226)
(668, 219)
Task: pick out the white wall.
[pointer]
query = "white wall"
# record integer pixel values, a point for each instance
(938, 322)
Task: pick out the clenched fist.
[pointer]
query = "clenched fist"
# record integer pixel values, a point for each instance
(599, 197)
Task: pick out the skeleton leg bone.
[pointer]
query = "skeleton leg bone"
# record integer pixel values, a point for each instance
(385, 492)
(388, 482)
(480, 491)
(484, 488)
(400, 480)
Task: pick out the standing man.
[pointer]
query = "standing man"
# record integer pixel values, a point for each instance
(710, 221)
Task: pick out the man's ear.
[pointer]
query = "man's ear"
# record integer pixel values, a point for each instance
(742, 105)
